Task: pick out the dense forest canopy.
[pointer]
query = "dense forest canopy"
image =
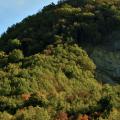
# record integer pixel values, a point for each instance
(77, 21)
(52, 64)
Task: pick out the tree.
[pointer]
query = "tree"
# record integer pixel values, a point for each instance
(14, 44)
(15, 56)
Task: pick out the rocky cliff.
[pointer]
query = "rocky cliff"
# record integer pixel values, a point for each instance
(108, 64)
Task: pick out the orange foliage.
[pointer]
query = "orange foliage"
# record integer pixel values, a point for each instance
(62, 116)
(21, 110)
(26, 96)
(83, 117)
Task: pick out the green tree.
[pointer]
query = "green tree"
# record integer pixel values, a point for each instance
(14, 44)
(15, 56)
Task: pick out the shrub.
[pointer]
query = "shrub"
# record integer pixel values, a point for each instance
(5, 87)
(5, 116)
(32, 113)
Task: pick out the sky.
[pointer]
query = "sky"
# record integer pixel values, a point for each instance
(13, 11)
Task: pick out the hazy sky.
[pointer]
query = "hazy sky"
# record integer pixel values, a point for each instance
(12, 11)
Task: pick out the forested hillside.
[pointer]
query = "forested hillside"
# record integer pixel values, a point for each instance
(63, 63)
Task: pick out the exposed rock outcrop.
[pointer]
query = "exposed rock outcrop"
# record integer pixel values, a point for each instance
(108, 65)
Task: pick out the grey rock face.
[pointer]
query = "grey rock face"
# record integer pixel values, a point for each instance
(108, 64)
(114, 41)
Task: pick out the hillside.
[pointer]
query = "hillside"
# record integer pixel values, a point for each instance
(63, 63)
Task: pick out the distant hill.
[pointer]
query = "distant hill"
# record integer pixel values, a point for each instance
(62, 63)
(78, 21)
